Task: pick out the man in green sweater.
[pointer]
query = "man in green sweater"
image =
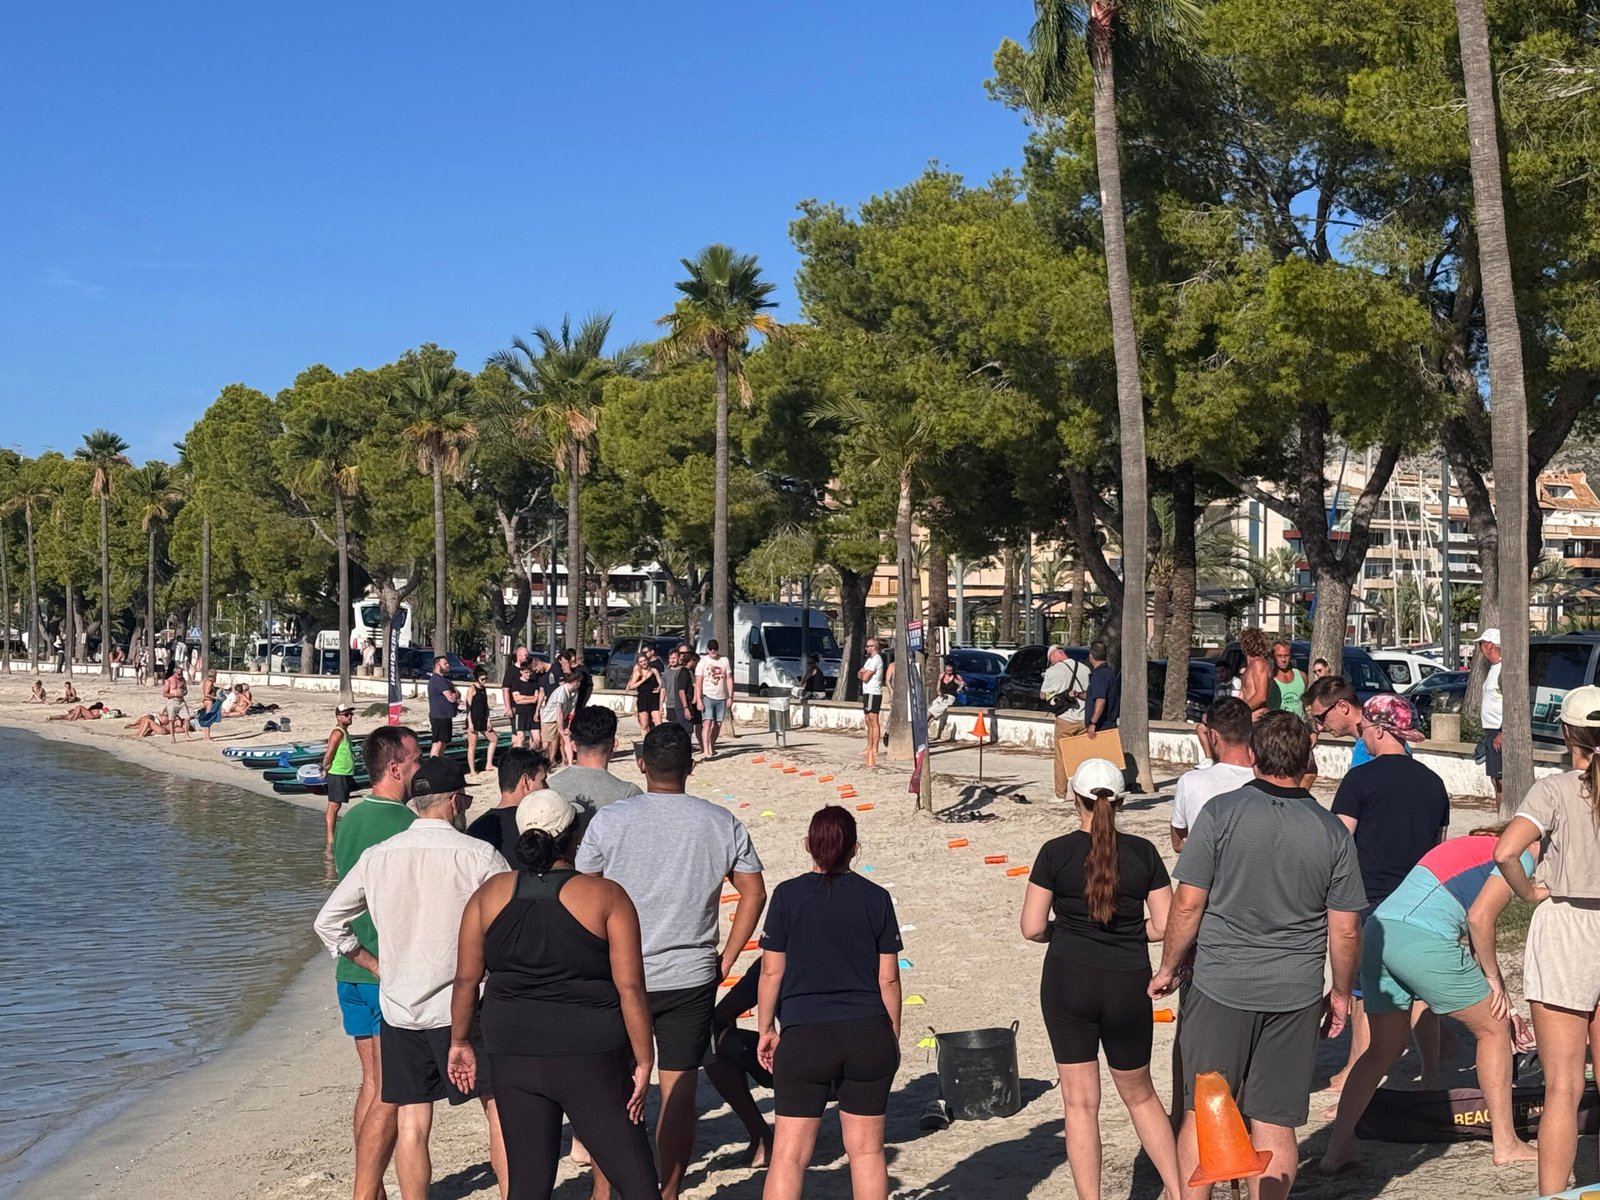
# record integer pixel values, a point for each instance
(392, 755)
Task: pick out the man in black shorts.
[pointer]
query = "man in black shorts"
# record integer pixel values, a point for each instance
(443, 704)
(871, 675)
(338, 767)
(1269, 885)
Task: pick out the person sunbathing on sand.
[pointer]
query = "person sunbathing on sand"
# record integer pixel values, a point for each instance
(69, 694)
(90, 712)
(150, 723)
(36, 693)
(240, 703)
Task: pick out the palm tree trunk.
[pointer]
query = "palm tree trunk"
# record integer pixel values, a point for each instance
(853, 589)
(938, 603)
(70, 621)
(105, 586)
(5, 599)
(1509, 413)
(441, 598)
(1075, 613)
(34, 632)
(341, 538)
(1007, 616)
(899, 728)
(205, 587)
(1181, 590)
(575, 563)
(720, 610)
(1134, 664)
(150, 585)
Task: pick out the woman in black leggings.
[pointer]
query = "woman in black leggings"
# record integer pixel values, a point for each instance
(830, 975)
(565, 1022)
(1100, 884)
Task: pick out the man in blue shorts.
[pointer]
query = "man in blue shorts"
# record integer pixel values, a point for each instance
(713, 687)
(392, 755)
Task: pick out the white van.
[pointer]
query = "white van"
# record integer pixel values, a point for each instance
(766, 653)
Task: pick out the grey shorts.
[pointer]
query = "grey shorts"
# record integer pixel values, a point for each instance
(1268, 1058)
(1492, 758)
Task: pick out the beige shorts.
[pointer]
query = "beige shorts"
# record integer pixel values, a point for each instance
(1560, 966)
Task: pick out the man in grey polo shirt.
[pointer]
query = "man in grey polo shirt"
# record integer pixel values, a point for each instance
(1269, 883)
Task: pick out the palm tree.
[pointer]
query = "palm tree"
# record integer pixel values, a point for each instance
(29, 495)
(435, 403)
(1548, 581)
(1508, 415)
(323, 454)
(156, 496)
(1060, 28)
(558, 384)
(904, 437)
(105, 453)
(725, 300)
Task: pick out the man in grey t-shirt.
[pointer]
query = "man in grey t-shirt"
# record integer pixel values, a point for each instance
(589, 783)
(1268, 882)
(672, 852)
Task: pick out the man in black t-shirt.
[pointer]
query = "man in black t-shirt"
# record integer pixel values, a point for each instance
(521, 773)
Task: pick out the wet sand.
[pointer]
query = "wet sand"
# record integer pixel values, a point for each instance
(269, 1117)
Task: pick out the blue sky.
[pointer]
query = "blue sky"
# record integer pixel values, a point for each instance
(204, 194)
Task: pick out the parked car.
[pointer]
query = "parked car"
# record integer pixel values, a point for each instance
(980, 672)
(1405, 670)
(1436, 687)
(625, 652)
(596, 659)
(1556, 665)
(1200, 692)
(1024, 675)
(416, 662)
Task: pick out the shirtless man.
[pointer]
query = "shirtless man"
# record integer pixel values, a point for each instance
(1257, 672)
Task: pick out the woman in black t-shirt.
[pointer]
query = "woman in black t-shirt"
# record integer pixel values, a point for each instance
(830, 973)
(1100, 885)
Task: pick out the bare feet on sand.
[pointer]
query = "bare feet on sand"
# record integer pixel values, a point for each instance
(1521, 1153)
(1332, 1163)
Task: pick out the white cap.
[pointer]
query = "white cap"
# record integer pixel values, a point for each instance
(1490, 635)
(1098, 775)
(1581, 707)
(548, 810)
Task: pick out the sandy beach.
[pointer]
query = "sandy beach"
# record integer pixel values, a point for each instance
(268, 1116)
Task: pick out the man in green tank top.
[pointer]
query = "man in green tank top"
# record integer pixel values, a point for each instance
(338, 767)
(1288, 682)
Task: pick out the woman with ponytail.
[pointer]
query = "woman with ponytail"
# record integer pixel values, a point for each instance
(830, 978)
(1109, 894)
(566, 1026)
(1561, 963)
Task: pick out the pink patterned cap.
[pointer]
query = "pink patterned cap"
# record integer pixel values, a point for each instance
(1392, 714)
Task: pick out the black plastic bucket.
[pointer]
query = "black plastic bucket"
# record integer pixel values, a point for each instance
(978, 1075)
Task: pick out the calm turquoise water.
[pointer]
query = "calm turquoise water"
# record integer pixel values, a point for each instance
(144, 921)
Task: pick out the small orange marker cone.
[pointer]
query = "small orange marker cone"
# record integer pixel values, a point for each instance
(806, 774)
(755, 945)
(1225, 1150)
(776, 766)
(956, 843)
(791, 770)
(1013, 872)
(824, 778)
(1163, 1016)
(979, 729)
(730, 981)
(993, 859)
(760, 758)
(730, 897)
(864, 807)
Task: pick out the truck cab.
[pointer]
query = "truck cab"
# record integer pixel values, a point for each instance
(767, 656)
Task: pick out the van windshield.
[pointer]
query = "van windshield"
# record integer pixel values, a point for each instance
(783, 641)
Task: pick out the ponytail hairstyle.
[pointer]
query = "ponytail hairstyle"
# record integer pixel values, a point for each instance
(1585, 739)
(1100, 871)
(538, 851)
(831, 839)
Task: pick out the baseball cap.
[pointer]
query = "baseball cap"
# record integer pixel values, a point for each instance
(547, 810)
(344, 708)
(439, 776)
(1394, 714)
(1581, 707)
(1099, 775)
(1490, 635)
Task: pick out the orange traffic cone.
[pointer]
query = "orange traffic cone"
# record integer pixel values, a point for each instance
(1225, 1150)
(979, 729)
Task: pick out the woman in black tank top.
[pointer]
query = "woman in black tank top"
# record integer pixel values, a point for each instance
(646, 685)
(566, 1027)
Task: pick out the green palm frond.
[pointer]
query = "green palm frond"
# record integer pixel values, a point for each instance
(322, 452)
(106, 453)
(155, 492)
(723, 302)
(435, 404)
(558, 384)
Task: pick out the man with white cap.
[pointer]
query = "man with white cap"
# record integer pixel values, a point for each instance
(1491, 706)
(338, 767)
(415, 886)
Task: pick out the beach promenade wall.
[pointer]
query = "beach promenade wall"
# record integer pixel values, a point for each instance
(1011, 729)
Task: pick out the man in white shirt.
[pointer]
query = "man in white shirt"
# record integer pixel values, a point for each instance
(1492, 707)
(415, 885)
(1063, 688)
(871, 676)
(1224, 733)
(711, 687)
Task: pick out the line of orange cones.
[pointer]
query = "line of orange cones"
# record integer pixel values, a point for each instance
(990, 859)
(847, 791)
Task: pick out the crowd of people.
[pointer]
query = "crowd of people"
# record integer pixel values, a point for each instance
(689, 689)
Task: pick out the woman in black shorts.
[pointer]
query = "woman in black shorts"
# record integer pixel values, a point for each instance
(565, 1021)
(1100, 884)
(525, 700)
(830, 976)
(645, 683)
(478, 722)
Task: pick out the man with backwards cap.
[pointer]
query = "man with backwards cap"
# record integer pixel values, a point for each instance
(415, 885)
(338, 767)
(1491, 707)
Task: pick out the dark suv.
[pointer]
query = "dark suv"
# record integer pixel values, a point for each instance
(1019, 686)
(625, 652)
(416, 662)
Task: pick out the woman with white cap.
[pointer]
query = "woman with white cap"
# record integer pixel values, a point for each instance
(1561, 964)
(1110, 894)
(565, 1022)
